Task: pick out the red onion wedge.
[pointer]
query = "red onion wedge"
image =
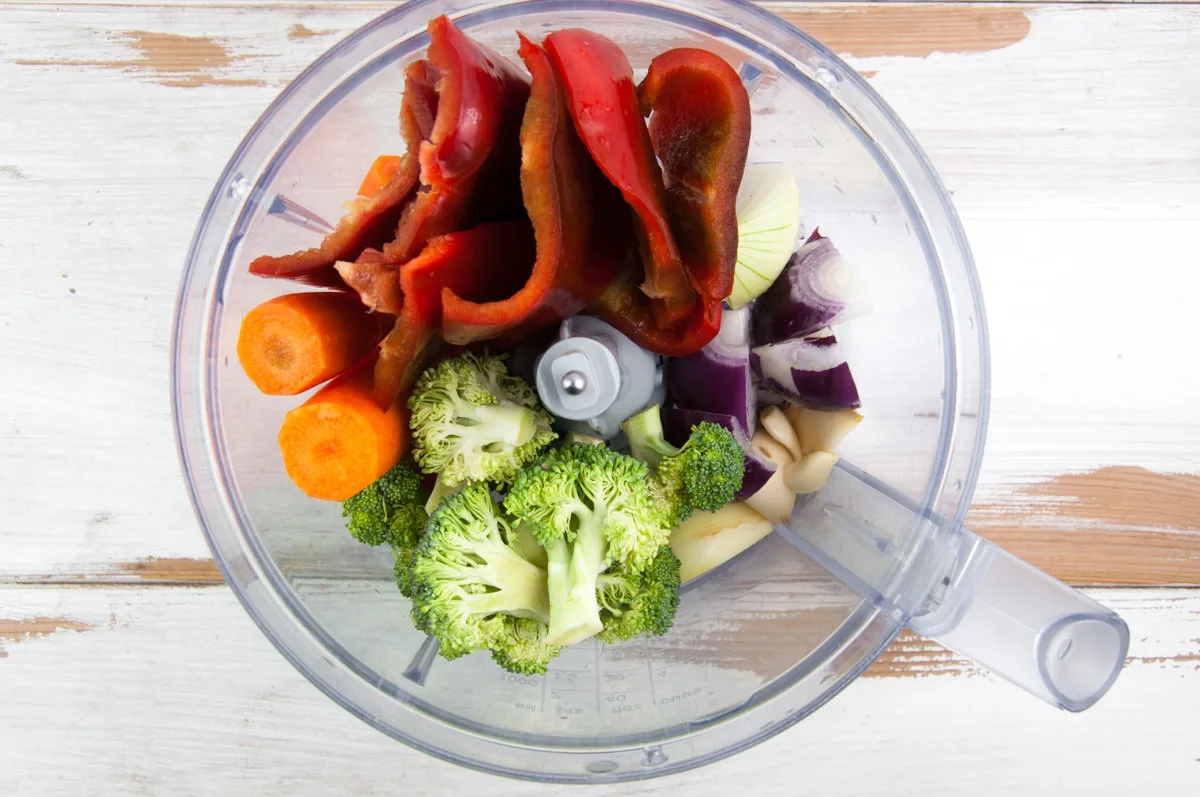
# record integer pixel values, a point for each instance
(810, 371)
(819, 287)
(717, 378)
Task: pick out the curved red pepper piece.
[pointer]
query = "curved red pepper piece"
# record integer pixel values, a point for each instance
(376, 281)
(459, 117)
(700, 127)
(485, 263)
(470, 162)
(559, 181)
(624, 306)
(372, 220)
(605, 108)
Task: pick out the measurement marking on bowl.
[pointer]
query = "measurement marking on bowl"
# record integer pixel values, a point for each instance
(294, 213)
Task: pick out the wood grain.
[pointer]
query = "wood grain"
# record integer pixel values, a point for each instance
(1069, 136)
(14, 631)
(172, 570)
(1098, 526)
(166, 58)
(910, 30)
(1071, 394)
(176, 692)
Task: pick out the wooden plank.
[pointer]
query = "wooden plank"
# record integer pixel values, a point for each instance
(175, 692)
(1109, 141)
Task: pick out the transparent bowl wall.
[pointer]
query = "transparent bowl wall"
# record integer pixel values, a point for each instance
(758, 644)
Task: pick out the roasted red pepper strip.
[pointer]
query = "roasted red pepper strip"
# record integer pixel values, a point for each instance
(624, 306)
(382, 170)
(559, 181)
(485, 263)
(376, 281)
(700, 127)
(470, 162)
(372, 220)
(605, 108)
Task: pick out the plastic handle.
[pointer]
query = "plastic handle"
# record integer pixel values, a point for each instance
(948, 584)
(1027, 627)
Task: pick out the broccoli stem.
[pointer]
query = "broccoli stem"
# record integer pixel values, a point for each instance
(442, 489)
(506, 423)
(572, 571)
(515, 585)
(646, 440)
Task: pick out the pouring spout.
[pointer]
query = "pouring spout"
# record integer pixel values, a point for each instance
(947, 583)
(1027, 627)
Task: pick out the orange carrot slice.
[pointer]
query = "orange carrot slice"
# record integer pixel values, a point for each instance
(340, 441)
(380, 174)
(292, 343)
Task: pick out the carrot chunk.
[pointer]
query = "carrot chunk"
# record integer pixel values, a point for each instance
(292, 343)
(380, 174)
(340, 441)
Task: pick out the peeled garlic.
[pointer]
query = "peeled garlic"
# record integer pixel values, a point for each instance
(775, 500)
(809, 473)
(822, 430)
(779, 427)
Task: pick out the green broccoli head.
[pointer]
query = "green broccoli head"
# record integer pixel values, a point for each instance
(587, 488)
(711, 465)
(468, 571)
(639, 602)
(472, 421)
(705, 474)
(591, 509)
(390, 511)
(519, 645)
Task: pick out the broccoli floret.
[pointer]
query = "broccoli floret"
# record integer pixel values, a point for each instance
(471, 421)
(644, 602)
(705, 474)
(519, 645)
(390, 511)
(472, 587)
(591, 509)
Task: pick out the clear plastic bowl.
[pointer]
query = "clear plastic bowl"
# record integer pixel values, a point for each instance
(758, 644)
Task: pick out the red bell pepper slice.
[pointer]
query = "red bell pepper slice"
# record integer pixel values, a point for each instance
(700, 126)
(627, 309)
(376, 281)
(459, 117)
(485, 263)
(559, 181)
(372, 220)
(470, 163)
(605, 109)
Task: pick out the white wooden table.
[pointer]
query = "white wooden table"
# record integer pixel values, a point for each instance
(1070, 138)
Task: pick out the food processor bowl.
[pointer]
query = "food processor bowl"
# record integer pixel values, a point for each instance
(760, 642)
